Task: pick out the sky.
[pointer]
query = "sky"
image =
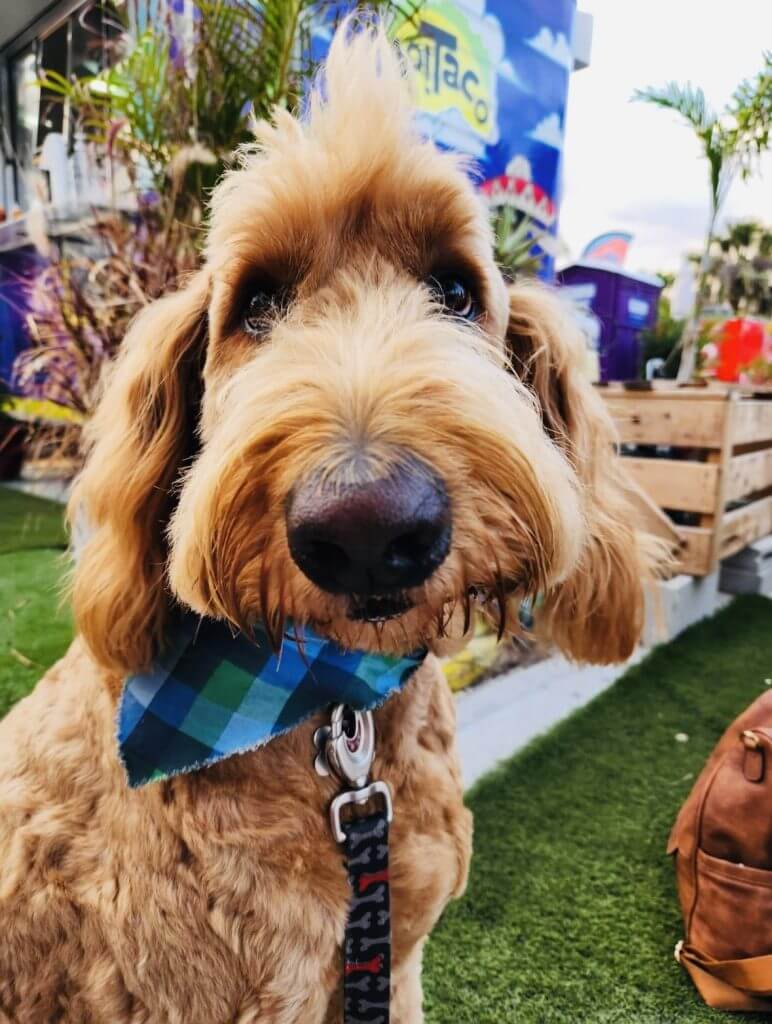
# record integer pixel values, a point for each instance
(633, 167)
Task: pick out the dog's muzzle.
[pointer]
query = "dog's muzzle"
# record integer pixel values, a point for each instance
(371, 540)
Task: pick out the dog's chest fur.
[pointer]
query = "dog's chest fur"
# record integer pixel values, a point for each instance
(214, 897)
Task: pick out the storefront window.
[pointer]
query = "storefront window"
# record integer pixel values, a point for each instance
(39, 135)
(53, 56)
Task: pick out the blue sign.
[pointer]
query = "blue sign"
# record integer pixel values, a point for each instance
(492, 81)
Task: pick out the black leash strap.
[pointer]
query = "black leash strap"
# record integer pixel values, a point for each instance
(367, 949)
(345, 750)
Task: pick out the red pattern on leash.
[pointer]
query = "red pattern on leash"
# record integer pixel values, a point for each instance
(365, 881)
(370, 966)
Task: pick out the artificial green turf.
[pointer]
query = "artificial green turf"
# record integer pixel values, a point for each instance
(29, 522)
(571, 913)
(34, 630)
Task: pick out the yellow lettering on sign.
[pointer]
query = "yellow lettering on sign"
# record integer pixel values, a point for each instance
(453, 70)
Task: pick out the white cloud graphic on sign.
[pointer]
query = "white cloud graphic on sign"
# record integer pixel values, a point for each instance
(488, 26)
(493, 39)
(508, 73)
(548, 131)
(519, 167)
(555, 47)
(321, 27)
(450, 129)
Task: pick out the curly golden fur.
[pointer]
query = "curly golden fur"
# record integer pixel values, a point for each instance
(220, 896)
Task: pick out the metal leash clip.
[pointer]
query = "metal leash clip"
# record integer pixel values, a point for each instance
(345, 750)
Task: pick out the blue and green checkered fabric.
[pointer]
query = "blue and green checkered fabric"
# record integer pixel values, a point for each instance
(213, 695)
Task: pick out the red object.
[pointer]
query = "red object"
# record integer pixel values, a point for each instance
(369, 966)
(366, 880)
(740, 342)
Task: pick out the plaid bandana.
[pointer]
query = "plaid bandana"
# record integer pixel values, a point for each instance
(213, 695)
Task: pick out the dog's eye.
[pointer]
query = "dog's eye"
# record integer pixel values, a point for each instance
(455, 295)
(258, 311)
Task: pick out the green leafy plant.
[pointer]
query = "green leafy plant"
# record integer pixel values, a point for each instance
(757, 371)
(661, 340)
(168, 103)
(740, 270)
(732, 142)
(519, 241)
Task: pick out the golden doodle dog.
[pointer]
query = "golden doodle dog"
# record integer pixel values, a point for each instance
(349, 420)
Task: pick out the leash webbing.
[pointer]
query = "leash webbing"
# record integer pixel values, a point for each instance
(367, 946)
(345, 749)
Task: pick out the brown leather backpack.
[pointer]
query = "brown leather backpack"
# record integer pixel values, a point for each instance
(722, 842)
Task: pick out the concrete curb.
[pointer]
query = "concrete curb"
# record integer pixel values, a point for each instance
(500, 716)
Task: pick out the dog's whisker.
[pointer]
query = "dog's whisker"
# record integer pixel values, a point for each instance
(265, 590)
(501, 597)
(467, 600)
(449, 610)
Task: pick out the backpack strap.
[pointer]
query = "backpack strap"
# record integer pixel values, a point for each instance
(729, 984)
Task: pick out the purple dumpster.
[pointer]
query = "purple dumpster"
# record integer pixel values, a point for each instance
(624, 303)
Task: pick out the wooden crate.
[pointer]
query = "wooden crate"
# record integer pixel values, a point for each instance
(719, 467)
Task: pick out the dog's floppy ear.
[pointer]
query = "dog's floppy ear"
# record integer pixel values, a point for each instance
(596, 614)
(142, 430)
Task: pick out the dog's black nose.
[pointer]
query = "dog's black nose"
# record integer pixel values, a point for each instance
(377, 537)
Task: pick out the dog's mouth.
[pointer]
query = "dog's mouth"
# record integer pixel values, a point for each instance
(378, 607)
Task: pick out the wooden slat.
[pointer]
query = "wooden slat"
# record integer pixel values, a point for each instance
(689, 422)
(752, 421)
(744, 525)
(664, 389)
(721, 459)
(749, 474)
(649, 518)
(720, 421)
(678, 484)
(695, 553)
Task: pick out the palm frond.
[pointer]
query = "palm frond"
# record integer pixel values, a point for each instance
(750, 111)
(686, 100)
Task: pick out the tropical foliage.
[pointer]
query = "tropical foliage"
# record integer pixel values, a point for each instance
(661, 340)
(740, 269)
(180, 96)
(520, 242)
(732, 142)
